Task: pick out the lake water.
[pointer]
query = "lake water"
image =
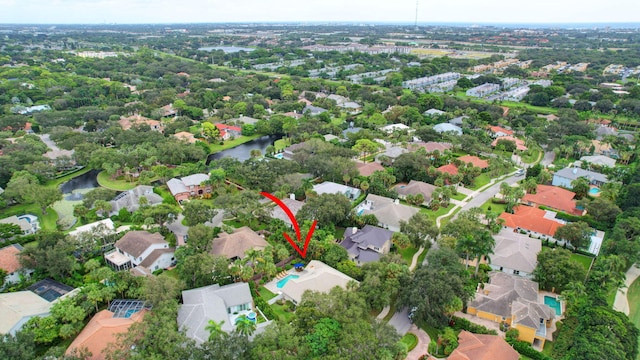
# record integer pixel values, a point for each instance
(226, 49)
(87, 180)
(242, 152)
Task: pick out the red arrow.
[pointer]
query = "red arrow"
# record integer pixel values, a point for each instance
(296, 227)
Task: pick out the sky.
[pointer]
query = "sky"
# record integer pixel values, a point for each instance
(391, 11)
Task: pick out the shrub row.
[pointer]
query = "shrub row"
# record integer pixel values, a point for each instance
(464, 324)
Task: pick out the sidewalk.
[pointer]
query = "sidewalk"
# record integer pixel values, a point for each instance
(621, 303)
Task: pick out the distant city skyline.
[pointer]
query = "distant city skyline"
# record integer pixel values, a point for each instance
(367, 11)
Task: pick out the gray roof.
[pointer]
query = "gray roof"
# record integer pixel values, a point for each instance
(393, 152)
(245, 120)
(292, 204)
(155, 254)
(600, 160)
(329, 187)
(195, 179)
(388, 212)
(432, 112)
(24, 224)
(210, 303)
(135, 243)
(314, 110)
(176, 186)
(358, 244)
(515, 251)
(416, 187)
(458, 121)
(235, 245)
(445, 127)
(506, 295)
(574, 173)
(131, 199)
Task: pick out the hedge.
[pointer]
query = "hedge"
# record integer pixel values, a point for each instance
(464, 324)
(574, 218)
(524, 348)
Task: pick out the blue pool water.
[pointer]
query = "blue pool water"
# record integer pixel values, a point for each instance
(554, 304)
(284, 280)
(360, 212)
(594, 191)
(279, 156)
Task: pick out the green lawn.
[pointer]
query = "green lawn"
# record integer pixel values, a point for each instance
(265, 293)
(582, 259)
(496, 208)
(481, 181)
(278, 309)
(548, 348)
(67, 177)
(47, 221)
(407, 253)
(530, 156)
(410, 340)
(435, 214)
(282, 143)
(119, 185)
(228, 144)
(633, 296)
(392, 311)
(459, 196)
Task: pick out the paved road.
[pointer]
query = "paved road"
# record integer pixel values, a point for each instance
(487, 194)
(400, 321)
(548, 158)
(423, 344)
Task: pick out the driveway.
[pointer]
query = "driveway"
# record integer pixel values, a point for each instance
(548, 158)
(487, 194)
(400, 321)
(423, 343)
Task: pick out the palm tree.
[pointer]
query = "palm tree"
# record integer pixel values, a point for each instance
(483, 247)
(364, 186)
(245, 326)
(214, 329)
(465, 245)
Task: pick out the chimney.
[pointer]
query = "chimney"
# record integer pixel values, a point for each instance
(354, 230)
(292, 196)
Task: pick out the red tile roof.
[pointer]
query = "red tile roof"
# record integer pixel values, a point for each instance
(519, 143)
(369, 168)
(497, 129)
(554, 197)
(224, 128)
(449, 168)
(530, 218)
(475, 161)
(482, 347)
(9, 259)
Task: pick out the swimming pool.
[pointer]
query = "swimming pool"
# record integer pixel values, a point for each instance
(279, 156)
(282, 282)
(360, 212)
(554, 304)
(594, 191)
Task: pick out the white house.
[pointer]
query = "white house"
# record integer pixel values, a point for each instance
(141, 248)
(515, 253)
(28, 223)
(329, 187)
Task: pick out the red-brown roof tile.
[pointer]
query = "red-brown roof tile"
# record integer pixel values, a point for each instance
(449, 168)
(554, 197)
(369, 168)
(530, 218)
(482, 347)
(9, 258)
(475, 161)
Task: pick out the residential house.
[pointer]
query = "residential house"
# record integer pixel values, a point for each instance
(103, 329)
(431, 146)
(601, 148)
(389, 212)
(565, 176)
(450, 169)
(136, 120)
(346, 104)
(482, 347)
(448, 128)
(515, 253)
(433, 112)
(235, 245)
(416, 187)
(290, 150)
(497, 131)
(28, 223)
(367, 169)
(475, 161)
(189, 186)
(141, 249)
(553, 197)
(368, 244)
(227, 131)
(220, 304)
(313, 110)
(16, 308)
(599, 160)
(99, 228)
(10, 263)
(168, 110)
(329, 187)
(130, 199)
(293, 205)
(52, 290)
(514, 300)
(391, 153)
(316, 276)
(331, 137)
(185, 136)
(520, 146)
(395, 127)
(458, 121)
(531, 220)
(483, 90)
(244, 120)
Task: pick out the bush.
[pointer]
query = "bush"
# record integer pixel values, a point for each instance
(464, 324)
(264, 307)
(524, 348)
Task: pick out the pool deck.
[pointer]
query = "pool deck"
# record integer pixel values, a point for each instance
(273, 284)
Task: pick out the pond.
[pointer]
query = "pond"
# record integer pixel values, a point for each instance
(226, 49)
(88, 180)
(242, 152)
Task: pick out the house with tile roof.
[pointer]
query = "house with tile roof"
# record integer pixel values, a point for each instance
(416, 187)
(497, 131)
(482, 347)
(366, 244)
(28, 223)
(130, 199)
(451, 169)
(531, 220)
(430, 146)
(185, 136)
(103, 329)
(515, 253)
(221, 304)
(228, 131)
(141, 248)
(565, 176)
(10, 263)
(448, 128)
(475, 161)
(602, 148)
(189, 186)
(367, 169)
(235, 245)
(514, 300)
(99, 228)
(553, 197)
(389, 212)
(136, 120)
(520, 146)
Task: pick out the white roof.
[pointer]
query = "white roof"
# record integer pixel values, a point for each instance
(599, 160)
(515, 251)
(24, 224)
(329, 187)
(195, 179)
(445, 127)
(106, 226)
(17, 307)
(176, 186)
(433, 112)
(394, 127)
(317, 276)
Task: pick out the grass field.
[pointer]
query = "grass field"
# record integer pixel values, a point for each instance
(407, 253)
(481, 181)
(410, 340)
(282, 143)
(496, 208)
(459, 196)
(633, 296)
(435, 214)
(228, 144)
(119, 185)
(582, 259)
